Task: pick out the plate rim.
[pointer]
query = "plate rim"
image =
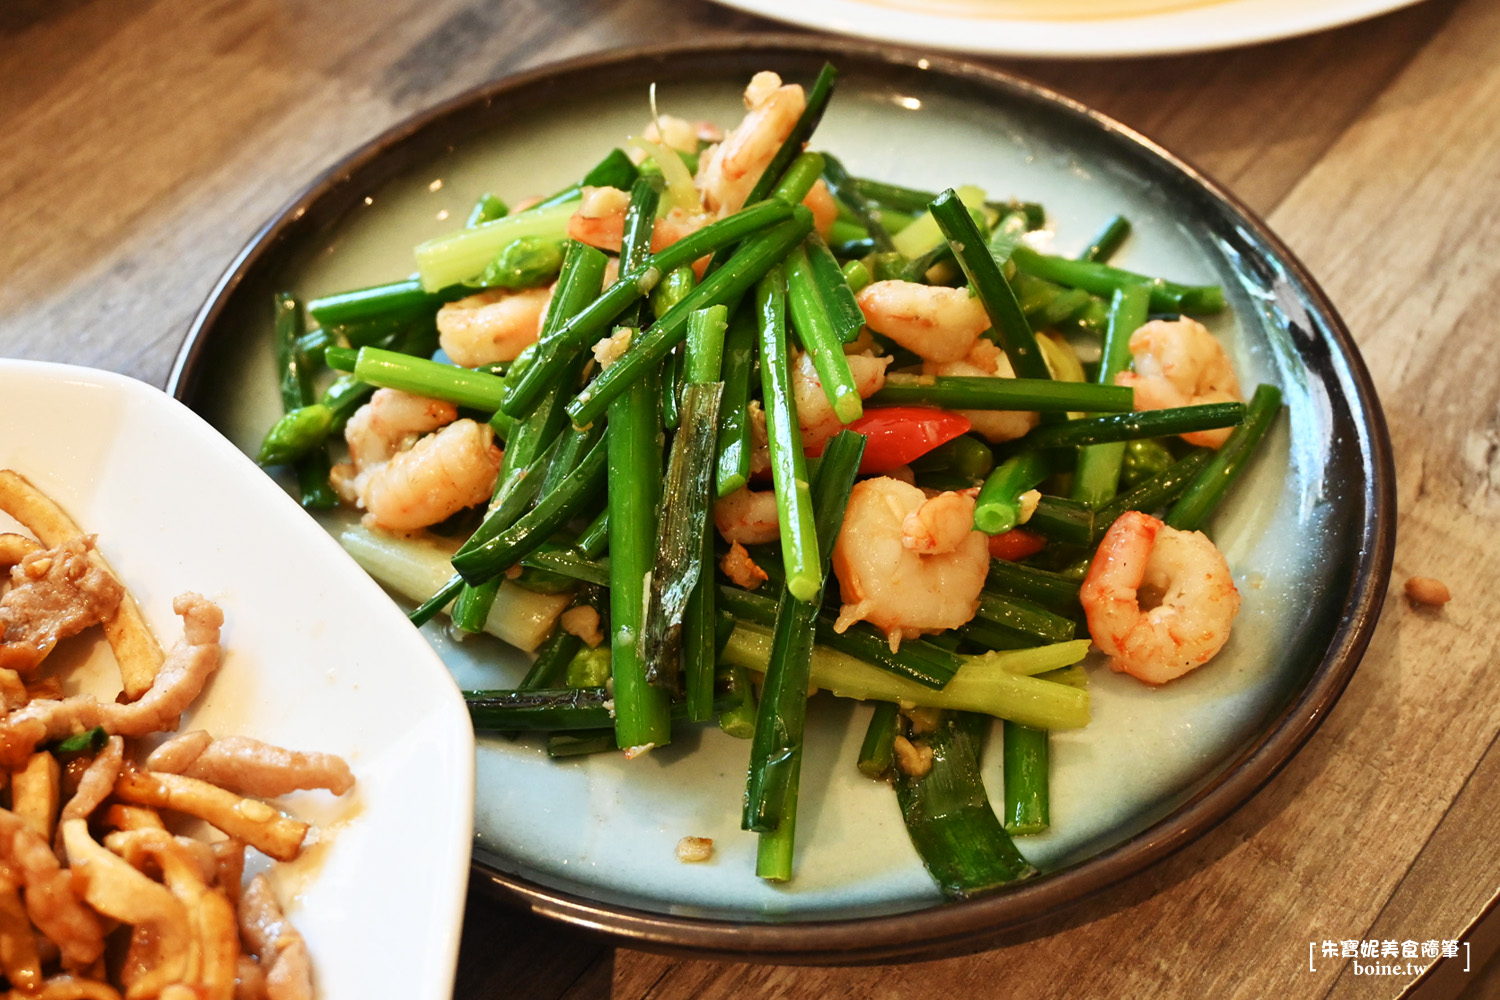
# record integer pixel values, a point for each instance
(1030, 38)
(951, 923)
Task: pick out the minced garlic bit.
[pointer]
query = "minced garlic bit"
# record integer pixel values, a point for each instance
(923, 720)
(1029, 500)
(582, 621)
(691, 850)
(1426, 590)
(608, 350)
(914, 759)
(743, 570)
(631, 753)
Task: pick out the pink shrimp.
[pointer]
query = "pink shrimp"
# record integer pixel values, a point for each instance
(1179, 363)
(1186, 580)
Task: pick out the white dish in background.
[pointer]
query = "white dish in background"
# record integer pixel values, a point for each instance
(1066, 29)
(316, 658)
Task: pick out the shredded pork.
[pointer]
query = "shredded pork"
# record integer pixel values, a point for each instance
(55, 593)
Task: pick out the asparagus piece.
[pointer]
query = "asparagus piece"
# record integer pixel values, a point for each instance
(948, 814)
(1101, 279)
(681, 531)
(814, 328)
(799, 539)
(448, 260)
(487, 209)
(776, 748)
(632, 284)
(1097, 474)
(704, 354)
(834, 289)
(990, 684)
(477, 563)
(843, 187)
(877, 752)
(1206, 489)
(961, 392)
(464, 387)
(736, 444)
(550, 667)
(1025, 617)
(916, 660)
(1009, 324)
(1103, 246)
(641, 710)
(1145, 423)
(525, 262)
(672, 289)
(998, 507)
(1052, 590)
(754, 258)
(799, 178)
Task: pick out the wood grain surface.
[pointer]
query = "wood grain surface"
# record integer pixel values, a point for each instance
(145, 141)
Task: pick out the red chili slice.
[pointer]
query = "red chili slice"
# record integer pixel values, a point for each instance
(1017, 543)
(896, 435)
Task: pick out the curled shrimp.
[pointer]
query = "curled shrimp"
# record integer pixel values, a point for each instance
(748, 517)
(814, 413)
(1179, 363)
(1185, 580)
(825, 210)
(493, 325)
(937, 323)
(985, 358)
(390, 423)
(728, 171)
(908, 564)
(405, 480)
(439, 476)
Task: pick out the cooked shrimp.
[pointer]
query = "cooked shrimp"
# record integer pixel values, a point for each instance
(493, 325)
(740, 568)
(390, 423)
(986, 358)
(814, 413)
(940, 525)
(439, 476)
(600, 222)
(824, 209)
(937, 323)
(908, 582)
(728, 171)
(1186, 580)
(1179, 363)
(748, 517)
(407, 481)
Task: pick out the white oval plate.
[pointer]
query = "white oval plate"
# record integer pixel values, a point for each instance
(316, 658)
(1066, 29)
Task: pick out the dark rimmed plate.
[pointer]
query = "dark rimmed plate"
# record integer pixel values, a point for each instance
(1309, 533)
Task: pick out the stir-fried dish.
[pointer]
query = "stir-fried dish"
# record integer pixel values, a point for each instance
(723, 423)
(100, 896)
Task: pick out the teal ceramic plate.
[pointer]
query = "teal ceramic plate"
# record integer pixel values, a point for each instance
(1308, 533)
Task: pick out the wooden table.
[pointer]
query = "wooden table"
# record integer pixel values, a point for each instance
(145, 140)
